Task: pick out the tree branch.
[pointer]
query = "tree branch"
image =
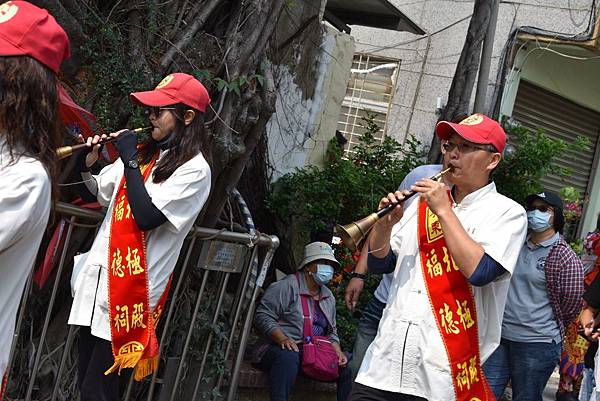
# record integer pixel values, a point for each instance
(252, 55)
(185, 39)
(135, 38)
(178, 20)
(229, 177)
(72, 6)
(73, 28)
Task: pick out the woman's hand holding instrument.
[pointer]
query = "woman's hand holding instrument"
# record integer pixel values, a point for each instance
(96, 141)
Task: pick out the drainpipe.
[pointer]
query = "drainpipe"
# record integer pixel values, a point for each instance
(486, 60)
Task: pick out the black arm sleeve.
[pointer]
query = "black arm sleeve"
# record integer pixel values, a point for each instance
(383, 265)
(146, 215)
(486, 271)
(81, 188)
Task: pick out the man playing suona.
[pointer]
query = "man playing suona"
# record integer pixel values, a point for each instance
(453, 254)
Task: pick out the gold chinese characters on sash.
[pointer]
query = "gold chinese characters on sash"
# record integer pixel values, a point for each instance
(132, 323)
(453, 305)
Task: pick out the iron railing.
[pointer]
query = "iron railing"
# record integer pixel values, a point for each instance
(206, 365)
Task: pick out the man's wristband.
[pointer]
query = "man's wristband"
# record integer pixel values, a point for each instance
(359, 275)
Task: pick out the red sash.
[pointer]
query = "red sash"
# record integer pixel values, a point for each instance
(453, 306)
(134, 342)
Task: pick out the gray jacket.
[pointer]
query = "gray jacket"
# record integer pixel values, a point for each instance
(281, 306)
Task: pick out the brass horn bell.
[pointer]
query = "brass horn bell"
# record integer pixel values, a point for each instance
(352, 234)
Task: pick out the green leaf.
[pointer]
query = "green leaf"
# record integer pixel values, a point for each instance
(221, 84)
(234, 87)
(260, 79)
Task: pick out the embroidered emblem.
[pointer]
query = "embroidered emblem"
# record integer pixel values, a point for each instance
(166, 81)
(7, 11)
(472, 120)
(434, 228)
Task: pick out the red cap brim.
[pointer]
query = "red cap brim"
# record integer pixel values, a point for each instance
(152, 98)
(445, 128)
(8, 49)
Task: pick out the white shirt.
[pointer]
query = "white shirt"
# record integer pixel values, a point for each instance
(408, 355)
(595, 396)
(24, 209)
(418, 173)
(180, 198)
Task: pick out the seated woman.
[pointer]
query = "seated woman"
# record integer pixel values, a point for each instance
(279, 320)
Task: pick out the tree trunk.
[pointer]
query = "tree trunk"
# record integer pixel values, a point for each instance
(236, 138)
(160, 37)
(459, 96)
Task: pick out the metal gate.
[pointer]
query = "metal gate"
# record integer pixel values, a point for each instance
(202, 336)
(560, 118)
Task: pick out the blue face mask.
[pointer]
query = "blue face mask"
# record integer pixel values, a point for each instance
(324, 274)
(538, 221)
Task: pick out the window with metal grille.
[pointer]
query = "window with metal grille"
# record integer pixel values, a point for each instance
(369, 92)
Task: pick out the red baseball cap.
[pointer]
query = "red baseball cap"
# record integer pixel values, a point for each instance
(27, 30)
(175, 88)
(476, 128)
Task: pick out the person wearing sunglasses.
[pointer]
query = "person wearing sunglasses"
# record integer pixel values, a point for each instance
(153, 193)
(543, 299)
(452, 254)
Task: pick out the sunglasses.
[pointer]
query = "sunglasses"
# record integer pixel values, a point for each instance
(157, 110)
(541, 208)
(466, 147)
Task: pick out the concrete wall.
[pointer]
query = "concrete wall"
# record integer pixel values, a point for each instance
(447, 23)
(304, 122)
(570, 72)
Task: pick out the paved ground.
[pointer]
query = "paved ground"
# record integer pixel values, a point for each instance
(551, 387)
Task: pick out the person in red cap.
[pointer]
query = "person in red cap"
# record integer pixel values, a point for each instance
(153, 193)
(32, 47)
(452, 254)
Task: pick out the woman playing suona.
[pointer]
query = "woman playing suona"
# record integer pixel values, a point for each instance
(153, 194)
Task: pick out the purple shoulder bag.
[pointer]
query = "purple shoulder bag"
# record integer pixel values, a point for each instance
(319, 359)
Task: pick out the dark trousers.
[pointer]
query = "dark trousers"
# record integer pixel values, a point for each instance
(361, 392)
(527, 365)
(95, 357)
(366, 332)
(283, 367)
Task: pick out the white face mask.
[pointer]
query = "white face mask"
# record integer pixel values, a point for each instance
(324, 274)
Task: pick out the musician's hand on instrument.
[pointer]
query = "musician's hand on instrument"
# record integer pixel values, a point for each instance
(126, 144)
(92, 142)
(119, 133)
(395, 215)
(435, 194)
